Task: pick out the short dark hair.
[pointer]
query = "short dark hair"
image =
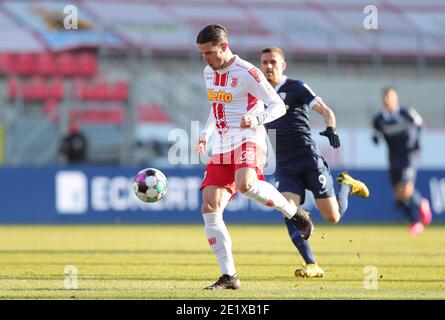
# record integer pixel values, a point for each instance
(214, 33)
(386, 90)
(274, 50)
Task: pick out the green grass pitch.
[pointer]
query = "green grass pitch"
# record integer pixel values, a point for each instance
(175, 262)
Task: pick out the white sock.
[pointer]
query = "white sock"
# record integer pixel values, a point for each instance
(265, 193)
(220, 241)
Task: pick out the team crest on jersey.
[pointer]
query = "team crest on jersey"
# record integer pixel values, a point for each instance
(256, 74)
(234, 82)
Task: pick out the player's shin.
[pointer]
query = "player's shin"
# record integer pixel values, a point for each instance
(408, 211)
(220, 241)
(265, 193)
(302, 245)
(342, 198)
(415, 199)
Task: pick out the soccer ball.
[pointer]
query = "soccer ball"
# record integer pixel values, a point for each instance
(150, 185)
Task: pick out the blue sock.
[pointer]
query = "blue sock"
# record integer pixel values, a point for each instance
(415, 199)
(301, 244)
(408, 211)
(414, 203)
(342, 198)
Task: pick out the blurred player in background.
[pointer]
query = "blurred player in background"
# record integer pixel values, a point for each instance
(237, 92)
(401, 127)
(299, 164)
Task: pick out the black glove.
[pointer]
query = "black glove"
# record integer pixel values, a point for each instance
(334, 140)
(375, 139)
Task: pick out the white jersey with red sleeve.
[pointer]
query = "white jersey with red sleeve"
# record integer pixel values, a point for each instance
(234, 91)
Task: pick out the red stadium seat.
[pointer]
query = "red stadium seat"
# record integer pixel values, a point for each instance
(87, 91)
(46, 64)
(25, 63)
(66, 64)
(119, 91)
(35, 89)
(110, 115)
(82, 90)
(153, 113)
(7, 63)
(100, 91)
(87, 64)
(55, 90)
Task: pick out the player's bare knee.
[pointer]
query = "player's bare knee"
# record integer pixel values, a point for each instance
(401, 196)
(244, 185)
(243, 188)
(333, 218)
(209, 207)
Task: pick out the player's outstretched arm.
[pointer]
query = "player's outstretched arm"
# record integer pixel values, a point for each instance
(330, 122)
(201, 146)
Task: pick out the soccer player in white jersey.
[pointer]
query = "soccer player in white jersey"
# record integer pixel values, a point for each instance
(237, 92)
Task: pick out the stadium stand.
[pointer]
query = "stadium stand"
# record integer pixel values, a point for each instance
(121, 60)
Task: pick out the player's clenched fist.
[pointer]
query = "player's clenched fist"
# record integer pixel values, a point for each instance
(248, 121)
(201, 146)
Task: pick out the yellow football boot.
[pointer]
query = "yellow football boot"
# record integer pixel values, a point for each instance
(309, 270)
(357, 187)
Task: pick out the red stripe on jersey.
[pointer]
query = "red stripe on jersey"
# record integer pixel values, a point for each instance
(251, 101)
(224, 78)
(220, 117)
(214, 110)
(217, 79)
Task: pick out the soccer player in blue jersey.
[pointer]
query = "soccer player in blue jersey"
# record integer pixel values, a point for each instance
(299, 164)
(401, 127)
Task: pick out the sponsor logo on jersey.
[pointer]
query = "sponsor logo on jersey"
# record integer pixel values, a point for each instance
(256, 74)
(220, 95)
